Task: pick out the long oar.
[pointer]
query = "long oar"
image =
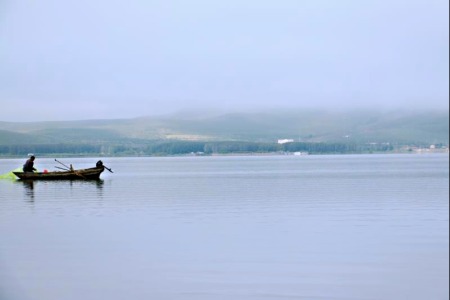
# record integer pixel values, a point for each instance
(65, 169)
(79, 174)
(62, 168)
(62, 164)
(76, 173)
(108, 169)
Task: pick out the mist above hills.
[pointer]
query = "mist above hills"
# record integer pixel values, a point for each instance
(395, 127)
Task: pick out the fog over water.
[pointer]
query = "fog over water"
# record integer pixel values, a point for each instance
(100, 59)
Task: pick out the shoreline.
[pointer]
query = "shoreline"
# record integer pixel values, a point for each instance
(414, 152)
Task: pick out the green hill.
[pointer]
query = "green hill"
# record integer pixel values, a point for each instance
(395, 127)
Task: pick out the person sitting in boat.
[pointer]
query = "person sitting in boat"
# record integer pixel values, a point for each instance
(29, 165)
(99, 164)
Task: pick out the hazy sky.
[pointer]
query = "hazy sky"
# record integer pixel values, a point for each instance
(84, 59)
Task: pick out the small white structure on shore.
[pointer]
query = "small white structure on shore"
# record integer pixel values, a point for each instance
(284, 141)
(300, 153)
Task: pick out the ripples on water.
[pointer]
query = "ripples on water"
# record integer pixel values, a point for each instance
(271, 227)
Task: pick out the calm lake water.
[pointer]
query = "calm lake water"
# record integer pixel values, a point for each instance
(244, 227)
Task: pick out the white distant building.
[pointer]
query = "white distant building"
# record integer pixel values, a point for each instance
(300, 153)
(284, 141)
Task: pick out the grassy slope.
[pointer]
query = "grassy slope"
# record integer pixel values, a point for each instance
(308, 126)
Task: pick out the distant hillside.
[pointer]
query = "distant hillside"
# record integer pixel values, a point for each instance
(17, 138)
(318, 126)
(396, 127)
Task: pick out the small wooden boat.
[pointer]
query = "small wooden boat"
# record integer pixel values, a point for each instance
(67, 173)
(91, 173)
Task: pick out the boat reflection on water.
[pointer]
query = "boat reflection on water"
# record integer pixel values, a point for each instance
(29, 189)
(32, 187)
(98, 182)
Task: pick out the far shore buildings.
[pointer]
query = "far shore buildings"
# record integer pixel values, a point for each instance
(430, 149)
(284, 141)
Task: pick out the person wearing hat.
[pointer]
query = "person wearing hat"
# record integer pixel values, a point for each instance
(29, 165)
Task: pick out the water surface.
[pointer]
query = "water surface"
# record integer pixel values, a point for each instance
(241, 227)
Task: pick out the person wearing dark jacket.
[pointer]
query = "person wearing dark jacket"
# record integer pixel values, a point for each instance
(29, 165)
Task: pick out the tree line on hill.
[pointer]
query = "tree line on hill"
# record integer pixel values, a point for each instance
(161, 148)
